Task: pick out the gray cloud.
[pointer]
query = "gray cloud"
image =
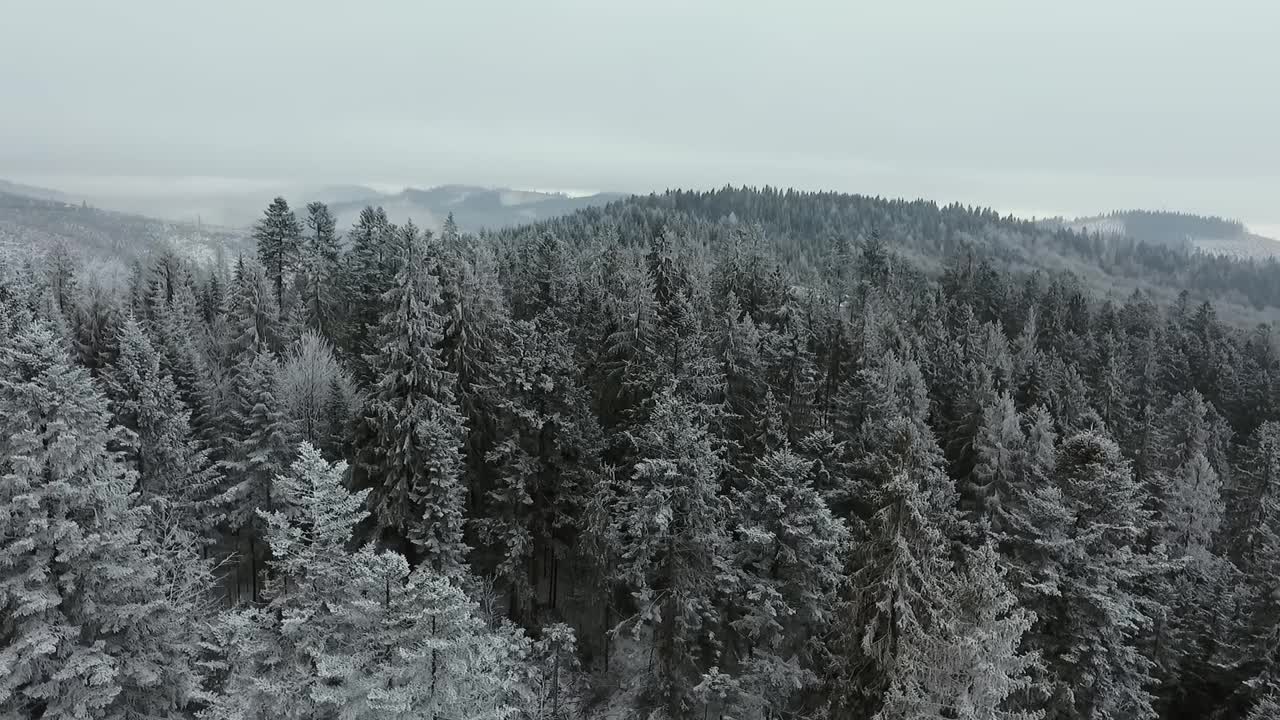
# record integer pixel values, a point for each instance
(1021, 104)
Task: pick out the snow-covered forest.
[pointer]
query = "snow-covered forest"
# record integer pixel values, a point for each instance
(680, 457)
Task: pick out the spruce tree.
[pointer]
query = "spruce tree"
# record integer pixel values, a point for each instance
(143, 399)
(368, 271)
(321, 267)
(413, 459)
(972, 665)
(279, 239)
(787, 556)
(257, 450)
(91, 625)
(998, 450)
(545, 457)
(668, 528)
(1089, 638)
(354, 633)
(899, 567)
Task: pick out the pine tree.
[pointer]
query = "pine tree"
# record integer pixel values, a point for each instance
(1089, 637)
(355, 634)
(972, 666)
(168, 462)
(738, 349)
(369, 268)
(414, 458)
(100, 618)
(257, 451)
(668, 526)
(95, 326)
(1191, 507)
(1036, 518)
(787, 556)
(897, 588)
(997, 450)
(253, 314)
(279, 239)
(321, 265)
(1257, 551)
(545, 458)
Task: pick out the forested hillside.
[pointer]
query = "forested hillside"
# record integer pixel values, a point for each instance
(1180, 231)
(742, 454)
(473, 208)
(38, 224)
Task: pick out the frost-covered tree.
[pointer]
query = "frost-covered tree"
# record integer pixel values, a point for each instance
(545, 459)
(668, 528)
(1089, 632)
(998, 465)
(897, 590)
(356, 634)
(1191, 503)
(258, 450)
(368, 271)
(309, 377)
(99, 604)
(1258, 556)
(787, 554)
(413, 459)
(1187, 605)
(321, 265)
(279, 239)
(143, 399)
(253, 313)
(971, 666)
(552, 672)
(95, 325)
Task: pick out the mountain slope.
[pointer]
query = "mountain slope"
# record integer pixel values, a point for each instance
(811, 230)
(1213, 235)
(33, 223)
(473, 208)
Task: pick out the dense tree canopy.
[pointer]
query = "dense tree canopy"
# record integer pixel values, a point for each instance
(750, 454)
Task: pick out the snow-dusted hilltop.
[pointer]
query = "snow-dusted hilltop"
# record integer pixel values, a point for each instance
(36, 219)
(1211, 235)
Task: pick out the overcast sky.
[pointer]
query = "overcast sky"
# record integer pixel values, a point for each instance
(1023, 105)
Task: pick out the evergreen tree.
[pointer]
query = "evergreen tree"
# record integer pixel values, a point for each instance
(973, 667)
(257, 451)
(787, 554)
(356, 634)
(413, 461)
(668, 526)
(95, 326)
(897, 589)
(253, 313)
(368, 270)
(545, 458)
(168, 462)
(92, 625)
(321, 265)
(1089, 638)
(279, 239)
(998, 450)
